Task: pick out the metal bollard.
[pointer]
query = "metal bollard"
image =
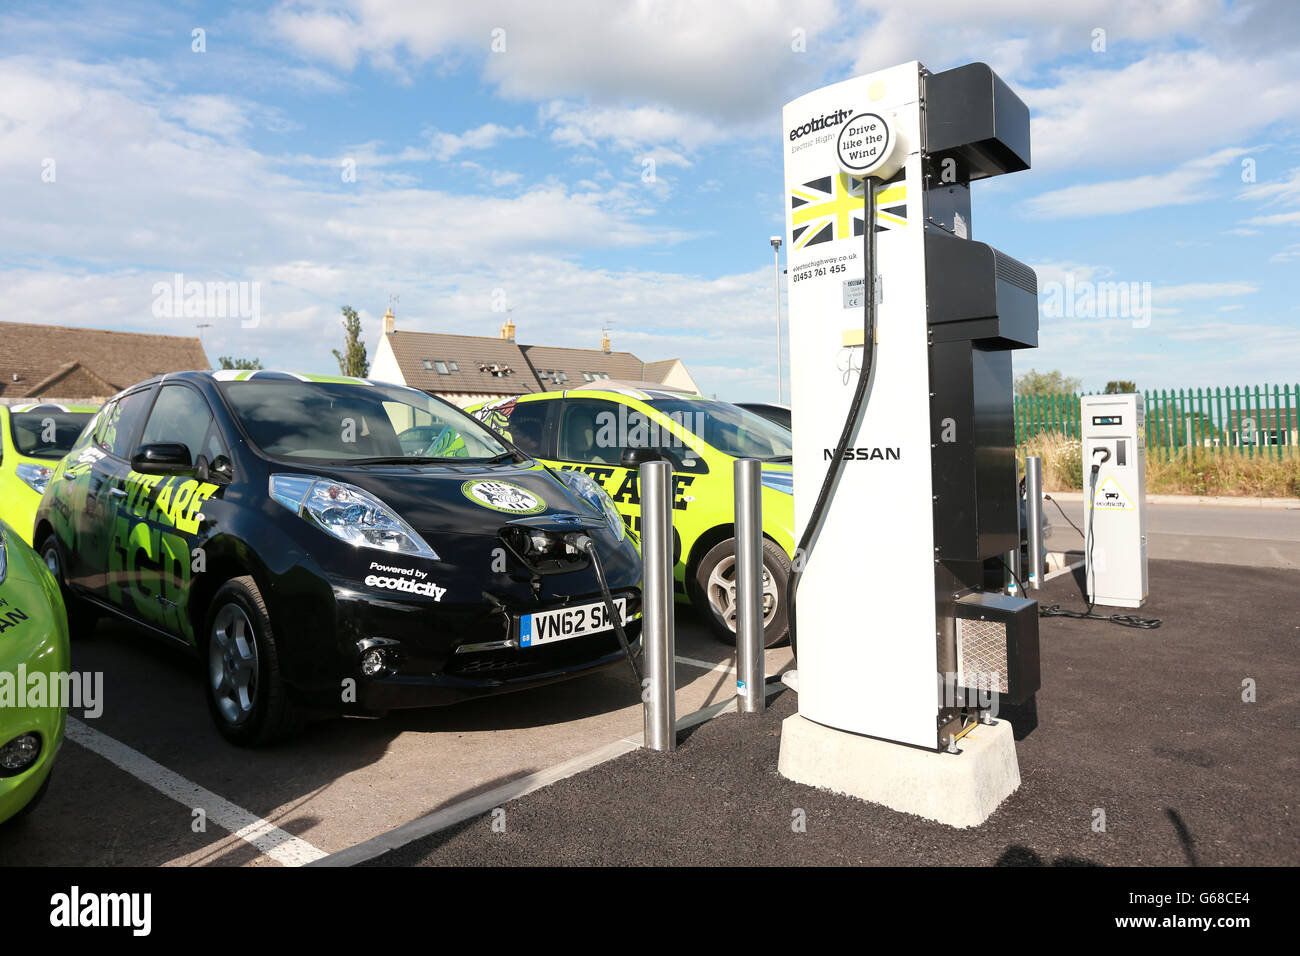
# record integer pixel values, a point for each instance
(658, 625)
(1034, 516)
(750, 678)
(1015, 565)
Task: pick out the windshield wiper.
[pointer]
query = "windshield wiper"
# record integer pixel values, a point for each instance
(780, 458)
(398, 460)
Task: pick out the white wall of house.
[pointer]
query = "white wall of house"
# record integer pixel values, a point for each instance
(679, 377)
(385, 368)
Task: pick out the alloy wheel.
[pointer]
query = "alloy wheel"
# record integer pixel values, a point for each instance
(721, 590)
(233, 664)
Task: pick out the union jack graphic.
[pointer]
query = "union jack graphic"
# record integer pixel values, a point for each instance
(832, 208)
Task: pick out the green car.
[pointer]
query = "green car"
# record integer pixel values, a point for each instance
(33, 654)
(606, 432)
(32, 440)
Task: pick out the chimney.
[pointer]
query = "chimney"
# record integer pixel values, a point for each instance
(604, 341)
(390, 321)
(508, 330)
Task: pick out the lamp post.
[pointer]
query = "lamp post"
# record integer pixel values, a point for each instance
(776, 273)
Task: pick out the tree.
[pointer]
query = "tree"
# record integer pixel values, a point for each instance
(352, 360)
(1120, 388)
(239, 363)
(1046, 383)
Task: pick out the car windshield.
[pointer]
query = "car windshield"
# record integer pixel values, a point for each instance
(728, 428)
(356, 423)
(46, 432)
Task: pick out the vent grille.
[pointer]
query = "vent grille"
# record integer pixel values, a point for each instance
(982, 655)
(1015, 272)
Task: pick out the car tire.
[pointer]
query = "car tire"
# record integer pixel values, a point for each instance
(81, 616)
(713, 591)
(242, 681)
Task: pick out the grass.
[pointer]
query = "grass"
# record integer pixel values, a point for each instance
(1207, 472)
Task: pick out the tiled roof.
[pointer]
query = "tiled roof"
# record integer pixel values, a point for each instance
(532, 368)
(559, 368)
(83, 363)
(483, 364)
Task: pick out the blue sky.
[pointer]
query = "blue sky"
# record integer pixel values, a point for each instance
(1166, 146)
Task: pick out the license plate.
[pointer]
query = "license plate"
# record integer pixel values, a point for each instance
(547, 627)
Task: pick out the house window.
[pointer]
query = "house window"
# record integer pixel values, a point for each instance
(441, 367)
(451, 364)
(428, 366)
(562, 376)
(588, 377)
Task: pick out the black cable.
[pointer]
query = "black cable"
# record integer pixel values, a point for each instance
(1065, 516)
(813, 528)
(1055, 610)
(584, 543)
(1124, 620)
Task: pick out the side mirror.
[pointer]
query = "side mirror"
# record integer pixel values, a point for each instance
(162, 458)
(636, 457)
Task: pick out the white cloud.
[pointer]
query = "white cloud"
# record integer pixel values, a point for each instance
(1276, 219)
(1187, 183)
(1201, 290)
(724, 60)
(1172, 105)
(445, 146)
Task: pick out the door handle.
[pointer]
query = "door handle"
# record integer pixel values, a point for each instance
(69, 476)
(117, 492)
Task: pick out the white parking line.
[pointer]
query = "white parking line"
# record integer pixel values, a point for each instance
(1065, 570)
(283, 847)
(722, 667)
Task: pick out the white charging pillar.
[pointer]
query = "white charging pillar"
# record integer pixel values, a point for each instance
(1115, 498)
(894, 604)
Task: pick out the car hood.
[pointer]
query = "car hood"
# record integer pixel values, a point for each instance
(462, 499)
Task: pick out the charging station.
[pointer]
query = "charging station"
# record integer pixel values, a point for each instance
(1115, 464)
(901, 332)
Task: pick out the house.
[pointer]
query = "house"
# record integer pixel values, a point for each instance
(1262, 426)
(464, 369)
(62, 363)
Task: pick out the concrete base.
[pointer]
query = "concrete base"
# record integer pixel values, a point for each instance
(960, 790)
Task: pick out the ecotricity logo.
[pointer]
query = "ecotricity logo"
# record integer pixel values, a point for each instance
(819, 123)
(406, 580)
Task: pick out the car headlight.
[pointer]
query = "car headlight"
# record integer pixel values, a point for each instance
(35, 477)
(348, 513)
(779, 481)
(590, 492)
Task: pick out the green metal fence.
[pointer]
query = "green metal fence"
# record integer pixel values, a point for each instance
(1259, 420)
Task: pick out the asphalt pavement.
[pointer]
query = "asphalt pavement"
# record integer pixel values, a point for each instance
(150, 782)
(1213, 534)
(1139, 750)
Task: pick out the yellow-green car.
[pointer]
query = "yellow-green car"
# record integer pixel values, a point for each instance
(33, 654)
(33, 438)
(605, 432)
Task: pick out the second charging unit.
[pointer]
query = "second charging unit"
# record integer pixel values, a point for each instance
(1115, 489)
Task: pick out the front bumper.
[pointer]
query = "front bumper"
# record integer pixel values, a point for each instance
(442, 655)
(36, 646)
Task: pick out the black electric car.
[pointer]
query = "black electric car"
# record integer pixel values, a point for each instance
(332, 544)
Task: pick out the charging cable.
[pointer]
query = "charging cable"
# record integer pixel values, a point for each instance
(583, 542)
(815, 520)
